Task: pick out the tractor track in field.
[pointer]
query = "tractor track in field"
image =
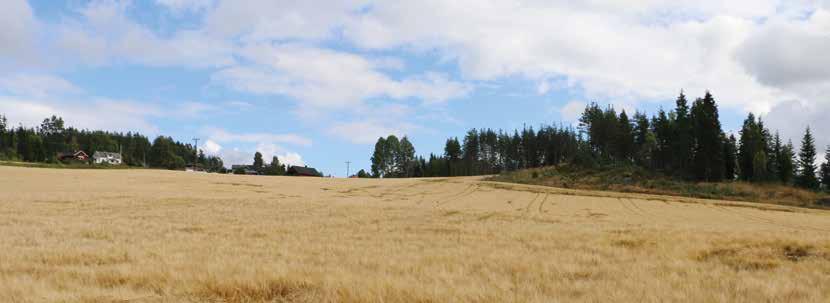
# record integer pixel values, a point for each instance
(628, 207)
(526, 210)
(469, 190)
(542, 204)
(768, 221)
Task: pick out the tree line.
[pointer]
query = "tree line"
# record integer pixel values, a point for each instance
(44, 142)
(686, 142)
(275, 168)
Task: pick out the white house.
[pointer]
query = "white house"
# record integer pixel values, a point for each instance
(100, 157)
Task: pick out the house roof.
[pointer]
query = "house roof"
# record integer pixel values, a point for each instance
(76, 154)
(303, 171)
(101, 154)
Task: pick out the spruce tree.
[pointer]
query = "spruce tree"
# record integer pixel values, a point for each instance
(775, 154)
(664, 134)
(642, 130)
(708, 140)
(786, 163)
(624, 138)
(751, 143)
(730, 157)
(806, 176)
(825, 170)
(682, 143)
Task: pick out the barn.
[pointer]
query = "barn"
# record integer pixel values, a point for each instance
(80, 156)
(302, 171)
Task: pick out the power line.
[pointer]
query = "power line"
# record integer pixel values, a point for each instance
(347, 168)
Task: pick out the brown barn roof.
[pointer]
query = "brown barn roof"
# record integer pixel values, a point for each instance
(302, 171)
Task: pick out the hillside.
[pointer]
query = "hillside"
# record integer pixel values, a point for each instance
(168, 236)
(634, 179)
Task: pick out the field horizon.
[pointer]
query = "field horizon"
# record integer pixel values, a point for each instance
(168, 236)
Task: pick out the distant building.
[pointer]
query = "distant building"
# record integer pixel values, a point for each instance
(100, 157)
(194, 168)
(244, 170)
(302, 171)
(73, 156)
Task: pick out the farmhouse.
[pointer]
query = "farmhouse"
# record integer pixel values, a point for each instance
(100, 157)
(302, 171)
(73, 156)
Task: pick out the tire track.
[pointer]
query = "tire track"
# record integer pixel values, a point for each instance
(542, 204)
(530, 204)
(627, 208)
(769, 221)
(645, 213)
(470, 189)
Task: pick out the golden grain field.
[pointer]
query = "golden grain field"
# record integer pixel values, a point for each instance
(160, 236)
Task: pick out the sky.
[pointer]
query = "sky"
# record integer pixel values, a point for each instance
(317, 82)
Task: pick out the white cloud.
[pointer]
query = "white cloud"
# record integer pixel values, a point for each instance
(29, 98)
(179, 6)
(237, 155)
(194, 109)
(329, 79)
(644, 50)
(792, 118)
(103, 34)
(17, 34)
(211, 147)
(572, 110)
(269, 151)
(791, 55)
(119, 115)
(38, 86)
(366, 132)
(221, 135)
(246, 144)
(758, 55)
(293, 159)
(265, 20)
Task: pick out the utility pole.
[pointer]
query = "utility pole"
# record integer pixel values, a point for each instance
(347, 168)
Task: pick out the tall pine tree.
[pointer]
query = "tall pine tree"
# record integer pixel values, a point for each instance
(683, 140)
(806, 176)
(786, 163)
(624, 138)
(825, 170)
(708, 137)
(730, 158)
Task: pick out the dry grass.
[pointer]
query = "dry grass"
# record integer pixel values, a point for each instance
(633, 179)
(157, 236)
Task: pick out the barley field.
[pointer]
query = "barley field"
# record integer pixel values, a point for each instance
(161, 236)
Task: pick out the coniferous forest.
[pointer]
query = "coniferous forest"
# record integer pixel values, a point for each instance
(686, 143)
(45, 142)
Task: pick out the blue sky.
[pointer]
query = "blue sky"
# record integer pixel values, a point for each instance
(316, 82)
